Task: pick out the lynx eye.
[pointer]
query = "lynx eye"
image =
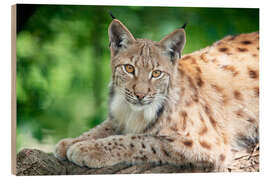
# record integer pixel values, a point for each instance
(156, 73)
(129, 68)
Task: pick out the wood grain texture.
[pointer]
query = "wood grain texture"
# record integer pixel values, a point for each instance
(36, 162)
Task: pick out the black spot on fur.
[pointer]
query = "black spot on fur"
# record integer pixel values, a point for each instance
(144, 158)
(223, 49)
(166, 153)
(246, 42)
(143, 146)
(153, 150)
(253, 74)
(237, 95)
(242, 49)
(200, 82)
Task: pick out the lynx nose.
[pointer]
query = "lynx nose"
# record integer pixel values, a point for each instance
(140, 96)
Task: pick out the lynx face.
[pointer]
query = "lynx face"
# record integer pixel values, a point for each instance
(140, 78)
(142, 69)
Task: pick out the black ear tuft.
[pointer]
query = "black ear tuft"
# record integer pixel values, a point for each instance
(113, 17)
(184, 26)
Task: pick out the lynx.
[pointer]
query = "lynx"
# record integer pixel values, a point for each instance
(164, 108)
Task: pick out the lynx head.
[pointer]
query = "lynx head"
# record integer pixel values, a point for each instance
(142, 69)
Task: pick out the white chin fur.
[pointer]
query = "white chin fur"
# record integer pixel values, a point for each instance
(138, 107)
(134, 118)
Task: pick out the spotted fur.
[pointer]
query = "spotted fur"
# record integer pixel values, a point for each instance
(202, 107)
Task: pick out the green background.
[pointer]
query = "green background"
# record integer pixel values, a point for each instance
(63, 60)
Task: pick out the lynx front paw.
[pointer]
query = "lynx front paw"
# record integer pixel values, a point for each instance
(89, 154)
(61, 148)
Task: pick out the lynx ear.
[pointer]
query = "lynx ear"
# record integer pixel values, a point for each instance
(174, 44)
(120, 37)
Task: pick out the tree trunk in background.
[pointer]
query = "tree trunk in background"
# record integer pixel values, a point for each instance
(36, 162)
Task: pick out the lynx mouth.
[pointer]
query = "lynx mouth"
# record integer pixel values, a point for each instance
(137, 102)
(138, 105)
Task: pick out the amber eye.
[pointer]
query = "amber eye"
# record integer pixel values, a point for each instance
(156, 73)
(129, 68)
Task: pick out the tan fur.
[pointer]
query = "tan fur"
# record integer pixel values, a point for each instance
(202, 108)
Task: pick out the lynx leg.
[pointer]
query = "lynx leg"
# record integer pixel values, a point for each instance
(130, 149)
(103, 130)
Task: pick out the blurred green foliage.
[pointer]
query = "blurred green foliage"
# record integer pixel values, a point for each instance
(63, 60)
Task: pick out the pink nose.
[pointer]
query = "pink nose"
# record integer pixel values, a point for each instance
(140, 96)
